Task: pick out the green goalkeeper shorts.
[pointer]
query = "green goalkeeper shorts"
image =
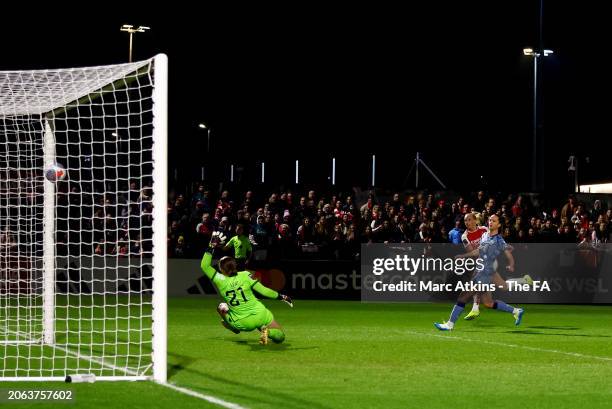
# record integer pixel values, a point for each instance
(251, 322)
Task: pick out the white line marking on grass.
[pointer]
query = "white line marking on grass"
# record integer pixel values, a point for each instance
(100, 362)
(207, 398)
(482, 341)
(186, 391)
(128, 371)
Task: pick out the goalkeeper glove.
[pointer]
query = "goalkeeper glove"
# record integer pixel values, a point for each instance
(217, 238)
(285, 298)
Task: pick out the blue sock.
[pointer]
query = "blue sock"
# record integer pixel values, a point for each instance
(502, 306)
(457, 310)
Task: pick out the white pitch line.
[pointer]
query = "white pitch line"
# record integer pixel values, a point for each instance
(482, 341)
(207, 398)
(180, 389)
(100, 362)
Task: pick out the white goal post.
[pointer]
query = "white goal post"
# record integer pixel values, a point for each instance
(83, 269)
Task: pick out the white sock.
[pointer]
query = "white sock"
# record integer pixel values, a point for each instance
(475, 307)
(515, 311)
(517, 280)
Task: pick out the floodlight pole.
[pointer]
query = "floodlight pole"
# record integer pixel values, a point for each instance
(131, 30)
(204, 126)
(536, 54)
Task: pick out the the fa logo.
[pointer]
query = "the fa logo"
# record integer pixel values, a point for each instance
(541, 286)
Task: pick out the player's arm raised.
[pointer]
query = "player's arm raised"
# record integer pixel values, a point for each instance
(206, 263)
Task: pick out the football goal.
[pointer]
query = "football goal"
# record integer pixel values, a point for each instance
(83, 250)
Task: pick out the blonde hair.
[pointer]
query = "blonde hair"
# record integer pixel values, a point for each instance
(475, 215)
(228, 266)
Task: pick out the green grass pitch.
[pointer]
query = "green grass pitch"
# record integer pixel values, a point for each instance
(353, 355)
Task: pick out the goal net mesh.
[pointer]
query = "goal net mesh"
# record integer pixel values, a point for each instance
(75, 254)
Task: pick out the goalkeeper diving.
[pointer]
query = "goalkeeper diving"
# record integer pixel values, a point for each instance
(242, 311)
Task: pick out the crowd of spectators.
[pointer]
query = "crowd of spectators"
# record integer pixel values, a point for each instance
(288, 225)
(105, 224)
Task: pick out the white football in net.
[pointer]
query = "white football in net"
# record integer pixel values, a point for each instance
(55, 172)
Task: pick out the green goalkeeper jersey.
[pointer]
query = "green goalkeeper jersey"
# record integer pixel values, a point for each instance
(237, 290)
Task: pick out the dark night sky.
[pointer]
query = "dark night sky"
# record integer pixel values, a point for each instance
(312, 82)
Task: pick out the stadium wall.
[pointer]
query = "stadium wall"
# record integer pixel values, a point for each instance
(313, 279)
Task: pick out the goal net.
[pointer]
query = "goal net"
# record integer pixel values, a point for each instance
(83, 258)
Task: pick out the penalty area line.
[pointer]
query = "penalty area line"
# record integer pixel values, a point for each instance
(517, 346)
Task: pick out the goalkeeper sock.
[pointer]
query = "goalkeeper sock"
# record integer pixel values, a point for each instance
(277, 335)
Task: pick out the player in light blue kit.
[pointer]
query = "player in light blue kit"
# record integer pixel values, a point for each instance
(491, 246)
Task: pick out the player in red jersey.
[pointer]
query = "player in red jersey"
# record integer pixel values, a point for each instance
(471, 239)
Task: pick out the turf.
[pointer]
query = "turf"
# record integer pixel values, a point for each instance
(352, 355)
